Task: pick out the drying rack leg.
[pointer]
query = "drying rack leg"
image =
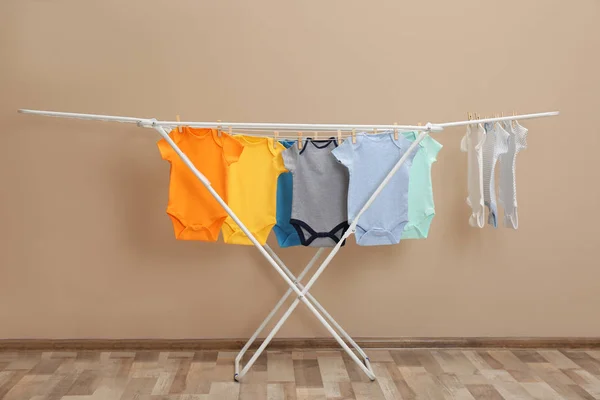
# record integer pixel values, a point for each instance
(365, 367)
(287, 294)
(311, 298)
(318, 305)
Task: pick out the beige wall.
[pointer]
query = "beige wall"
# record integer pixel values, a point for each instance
(88, 251)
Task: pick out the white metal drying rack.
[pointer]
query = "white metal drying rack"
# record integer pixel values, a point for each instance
(301, 291)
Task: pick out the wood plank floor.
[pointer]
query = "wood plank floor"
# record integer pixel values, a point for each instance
(296, 375)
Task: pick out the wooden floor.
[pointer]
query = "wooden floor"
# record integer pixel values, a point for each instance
(402, 374)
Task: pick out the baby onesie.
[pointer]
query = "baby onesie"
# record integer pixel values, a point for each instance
(320, 193)
(284, 231)
(369, 161)
(194, 212)
(507, 193)
(252, 189)
(421, 208)
(495, 144)
(472, 144)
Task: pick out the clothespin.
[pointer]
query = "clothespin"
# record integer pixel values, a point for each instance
(513, 122)
(179, 128)
(230, 131)
(374, 131)
(469, 116)
(418, 124)
(316, 135)
(299, 140)
(275, 139)
(339, 137)
(353, 135)
(395, 132)
(219, 128)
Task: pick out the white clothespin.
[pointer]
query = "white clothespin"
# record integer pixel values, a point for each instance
(374, 131)
(275, 135)
(178, 126)
(219, 128)
(339, 134)
(230, 131)
(395, 132)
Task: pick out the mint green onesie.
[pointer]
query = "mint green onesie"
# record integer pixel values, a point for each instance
(421, 208)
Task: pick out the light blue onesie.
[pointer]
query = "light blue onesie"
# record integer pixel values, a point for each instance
(369, 160)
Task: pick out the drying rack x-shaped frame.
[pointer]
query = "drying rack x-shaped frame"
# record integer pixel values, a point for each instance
(295, 286)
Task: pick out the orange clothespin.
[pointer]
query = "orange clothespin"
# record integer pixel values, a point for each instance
(395, 132)
(339, 136)
(353, 135)
(275, 135)
(299, 140)
(178, 126)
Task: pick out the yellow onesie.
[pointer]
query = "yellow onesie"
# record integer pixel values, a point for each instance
(252, 189)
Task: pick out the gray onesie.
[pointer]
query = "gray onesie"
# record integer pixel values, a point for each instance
(320, 193)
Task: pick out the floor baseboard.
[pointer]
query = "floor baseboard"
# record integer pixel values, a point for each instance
(302, 343)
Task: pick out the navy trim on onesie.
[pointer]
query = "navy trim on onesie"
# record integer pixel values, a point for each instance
(299, 225)
(324, 143)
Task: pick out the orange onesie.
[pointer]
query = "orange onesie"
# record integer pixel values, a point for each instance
(195, 214)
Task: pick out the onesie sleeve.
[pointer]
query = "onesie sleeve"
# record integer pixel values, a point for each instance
(166, 151)
(278, 158)
(344, 153)
(289, 157)
(232, 149)
(433, 147)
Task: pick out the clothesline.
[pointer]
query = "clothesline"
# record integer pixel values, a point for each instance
(260, 129)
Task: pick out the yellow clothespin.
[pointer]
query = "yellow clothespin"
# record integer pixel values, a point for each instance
(275, 134)
(179, 128)
(353, 135)
(339, 137)
(219, 128)
(300, 140)
(395, 132)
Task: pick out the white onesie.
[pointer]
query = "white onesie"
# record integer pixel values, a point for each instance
(471, 144)
(507, 193)
(495, 144)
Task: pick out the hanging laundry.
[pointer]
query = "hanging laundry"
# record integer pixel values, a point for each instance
(421, 208)
(194, 212)
(507, 193)
(472, 144)
(369, 160)
(494, 145)
(252, 189)
(286, 234)
(320, 193)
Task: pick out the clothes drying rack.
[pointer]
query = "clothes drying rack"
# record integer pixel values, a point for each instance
(295, 286)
